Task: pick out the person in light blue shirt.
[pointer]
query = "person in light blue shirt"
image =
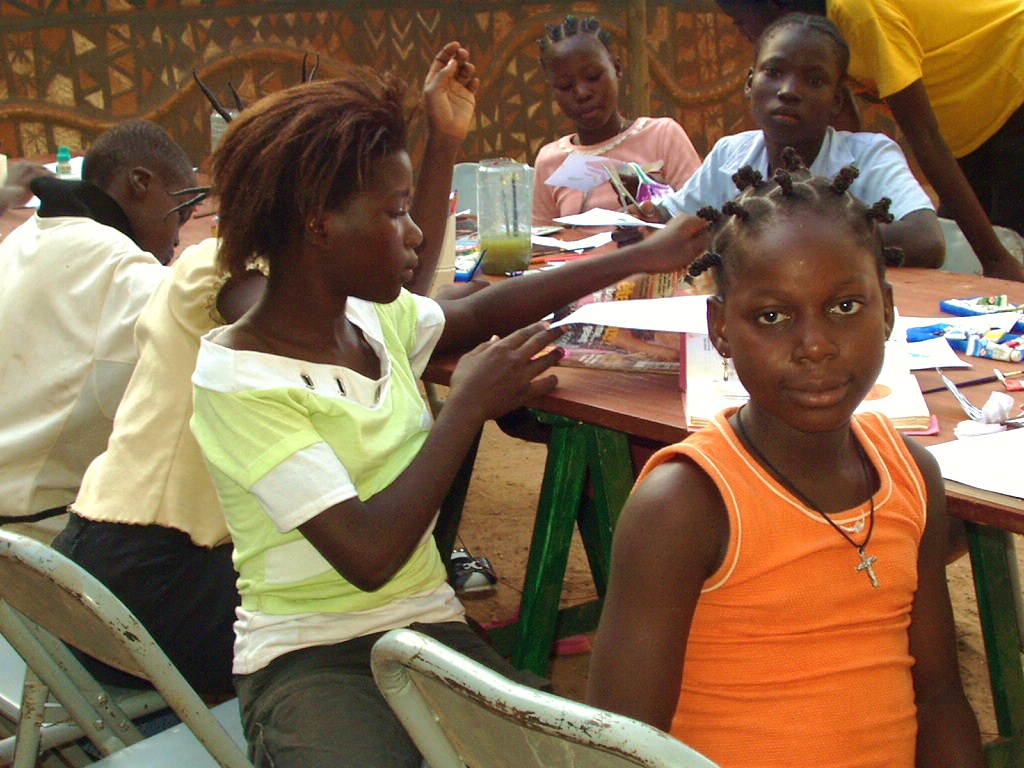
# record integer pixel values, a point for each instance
(796, 88)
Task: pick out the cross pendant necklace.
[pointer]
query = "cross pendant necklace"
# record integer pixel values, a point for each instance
(867, 562)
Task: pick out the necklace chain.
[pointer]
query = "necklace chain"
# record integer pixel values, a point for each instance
(866, 561)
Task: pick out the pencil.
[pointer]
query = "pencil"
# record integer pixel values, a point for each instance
(975, 382)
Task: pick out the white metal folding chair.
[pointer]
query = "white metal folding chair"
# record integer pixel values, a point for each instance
(45, 599)
(460, 713)
(177, 746)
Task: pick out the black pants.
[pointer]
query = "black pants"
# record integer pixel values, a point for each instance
(995, 170)
(184, 594)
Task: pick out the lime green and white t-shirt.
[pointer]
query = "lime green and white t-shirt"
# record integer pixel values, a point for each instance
(286, 439)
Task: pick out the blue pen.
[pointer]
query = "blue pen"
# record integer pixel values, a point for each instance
(479, 268)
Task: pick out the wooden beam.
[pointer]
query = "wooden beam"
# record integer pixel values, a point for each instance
(638, 74)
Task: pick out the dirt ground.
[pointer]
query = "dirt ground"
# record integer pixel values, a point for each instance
(498, 521)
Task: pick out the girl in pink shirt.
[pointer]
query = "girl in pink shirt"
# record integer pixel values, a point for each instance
(584, 76)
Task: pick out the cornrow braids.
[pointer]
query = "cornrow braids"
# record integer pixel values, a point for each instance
(709, 213)
(735, 208)
(880, 211)
(785, 181)
(706, 261)
(844, 179)
(893, 255)
(791, 160)
(572, 26)
(747, 177)
(791, 191)
(816, 23)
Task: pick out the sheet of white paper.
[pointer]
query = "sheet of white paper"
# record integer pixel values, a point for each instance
(582, 172)
(76, 173)
(933, 353)
(990, 462)
(1002, 321)
(601, 217)
(594, 241)
(677, 314)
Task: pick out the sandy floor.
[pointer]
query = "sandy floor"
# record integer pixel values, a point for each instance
(497, 523)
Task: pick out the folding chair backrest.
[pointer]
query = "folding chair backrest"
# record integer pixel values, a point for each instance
(460, 713)
(45, 596)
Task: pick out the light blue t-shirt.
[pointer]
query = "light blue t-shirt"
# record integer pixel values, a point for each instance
(884, 171)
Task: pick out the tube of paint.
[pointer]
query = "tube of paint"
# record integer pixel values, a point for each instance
(979, 347)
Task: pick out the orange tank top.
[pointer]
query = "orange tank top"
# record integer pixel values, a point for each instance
(793, 658)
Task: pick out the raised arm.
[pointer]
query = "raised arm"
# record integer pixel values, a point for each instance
(913, 111)
(509, 304)
(449, 101)
(920, 236)
(947, 733)
(664, 550)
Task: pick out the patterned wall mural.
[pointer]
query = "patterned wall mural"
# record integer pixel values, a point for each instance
(71, 68)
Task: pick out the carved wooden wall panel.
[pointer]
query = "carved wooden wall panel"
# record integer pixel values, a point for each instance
(71, 68)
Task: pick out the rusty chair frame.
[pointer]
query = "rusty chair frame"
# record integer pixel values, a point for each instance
(460, 713)
(47, 601)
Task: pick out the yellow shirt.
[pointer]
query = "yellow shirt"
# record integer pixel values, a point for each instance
(153, 472)
(969, 54)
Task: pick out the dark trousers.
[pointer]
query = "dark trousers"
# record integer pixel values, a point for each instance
(995, 170)
(183, 594)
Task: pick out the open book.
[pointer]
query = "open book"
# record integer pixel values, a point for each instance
(896, 393)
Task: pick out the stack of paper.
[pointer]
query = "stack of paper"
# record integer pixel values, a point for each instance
(988, 462)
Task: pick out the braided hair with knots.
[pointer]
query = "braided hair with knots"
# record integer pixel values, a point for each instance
(572, 26)
(791, 189)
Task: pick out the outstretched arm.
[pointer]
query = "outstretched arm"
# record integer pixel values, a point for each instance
(913, 111)
(449, 99)
(511, 303)
(947, 732)
(664, 550)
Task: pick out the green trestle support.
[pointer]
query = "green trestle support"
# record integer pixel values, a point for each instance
(993, 558)
(577, 452)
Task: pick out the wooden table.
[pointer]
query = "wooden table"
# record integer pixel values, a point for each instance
(592, 412)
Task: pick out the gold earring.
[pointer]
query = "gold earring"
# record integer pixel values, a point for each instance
(725, 368)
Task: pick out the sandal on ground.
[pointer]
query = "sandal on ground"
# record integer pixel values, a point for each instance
(472, 574)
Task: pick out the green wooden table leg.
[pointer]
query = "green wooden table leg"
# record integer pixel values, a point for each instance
(611, 473)
(576, 451)
(557, 510)
(992, 558)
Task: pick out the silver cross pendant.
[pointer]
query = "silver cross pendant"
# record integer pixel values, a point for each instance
(867, 563)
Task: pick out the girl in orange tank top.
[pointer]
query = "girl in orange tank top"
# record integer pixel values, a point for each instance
(778, 593)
